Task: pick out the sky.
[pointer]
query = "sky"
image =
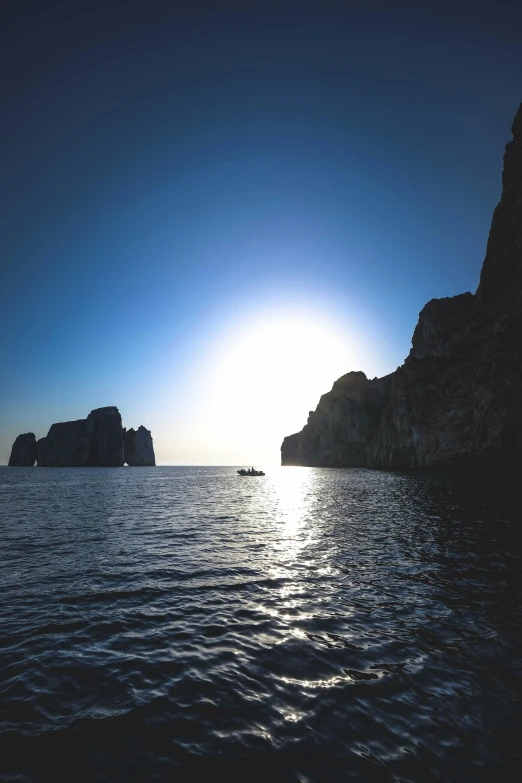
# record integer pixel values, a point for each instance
(210, 211)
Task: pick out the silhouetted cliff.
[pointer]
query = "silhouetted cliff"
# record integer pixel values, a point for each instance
(94, 441)
(343, 426)
(23, 453)
(457, 399)
(139, 450)
(64, 446)
(97, 441)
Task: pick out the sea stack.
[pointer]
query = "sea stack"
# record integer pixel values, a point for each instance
(457, 399)
(105, 437)
(139, 449)
(97, 441)
(23, 453)
(64, 446)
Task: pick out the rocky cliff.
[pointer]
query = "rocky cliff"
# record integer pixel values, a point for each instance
(23, 453)
(94, 441)
(97, 441)
(64, 446)
(105, 437)
(457, 399)
(343, 426)
(139, 450)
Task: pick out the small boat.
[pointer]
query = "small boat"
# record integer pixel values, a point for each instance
(250, 472)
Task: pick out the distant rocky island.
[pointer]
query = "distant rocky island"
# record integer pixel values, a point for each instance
(457, 399)
(97, 441)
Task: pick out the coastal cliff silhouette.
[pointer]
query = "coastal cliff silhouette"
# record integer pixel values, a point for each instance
(457, 399)
(97, 441)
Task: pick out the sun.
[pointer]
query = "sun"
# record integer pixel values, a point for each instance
(268, 377)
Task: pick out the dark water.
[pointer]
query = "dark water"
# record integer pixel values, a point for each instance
(311, 625)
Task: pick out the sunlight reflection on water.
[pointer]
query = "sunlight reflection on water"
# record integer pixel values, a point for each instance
(294, 488)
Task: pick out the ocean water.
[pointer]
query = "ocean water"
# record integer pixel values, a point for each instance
(310, 625)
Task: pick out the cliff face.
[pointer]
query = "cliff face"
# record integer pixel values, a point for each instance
(97, 441)
(94, 441)
(23, 453)
(139, 450)
(105, 437)
(457, 399)
(344, 425)
(64, 446)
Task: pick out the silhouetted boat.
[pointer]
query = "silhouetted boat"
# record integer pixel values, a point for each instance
(250, 472)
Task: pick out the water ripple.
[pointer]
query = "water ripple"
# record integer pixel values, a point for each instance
(311, 625)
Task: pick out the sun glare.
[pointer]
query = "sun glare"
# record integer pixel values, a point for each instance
(269, 377)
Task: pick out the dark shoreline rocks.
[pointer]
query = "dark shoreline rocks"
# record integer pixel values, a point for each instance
(456, 402)
(97, 441)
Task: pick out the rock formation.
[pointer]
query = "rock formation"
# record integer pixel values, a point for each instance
(97, 441)
(94, 441)
(105, 437)
(138, 447)
(23, 453)
(457, 399)
(65, 446)
(342, 426)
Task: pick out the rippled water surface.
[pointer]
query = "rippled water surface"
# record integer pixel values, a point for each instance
(309, 625)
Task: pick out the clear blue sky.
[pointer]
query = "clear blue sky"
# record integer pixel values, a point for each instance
(171, 180)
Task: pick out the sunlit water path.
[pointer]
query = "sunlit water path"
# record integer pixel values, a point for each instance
(309, 625)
